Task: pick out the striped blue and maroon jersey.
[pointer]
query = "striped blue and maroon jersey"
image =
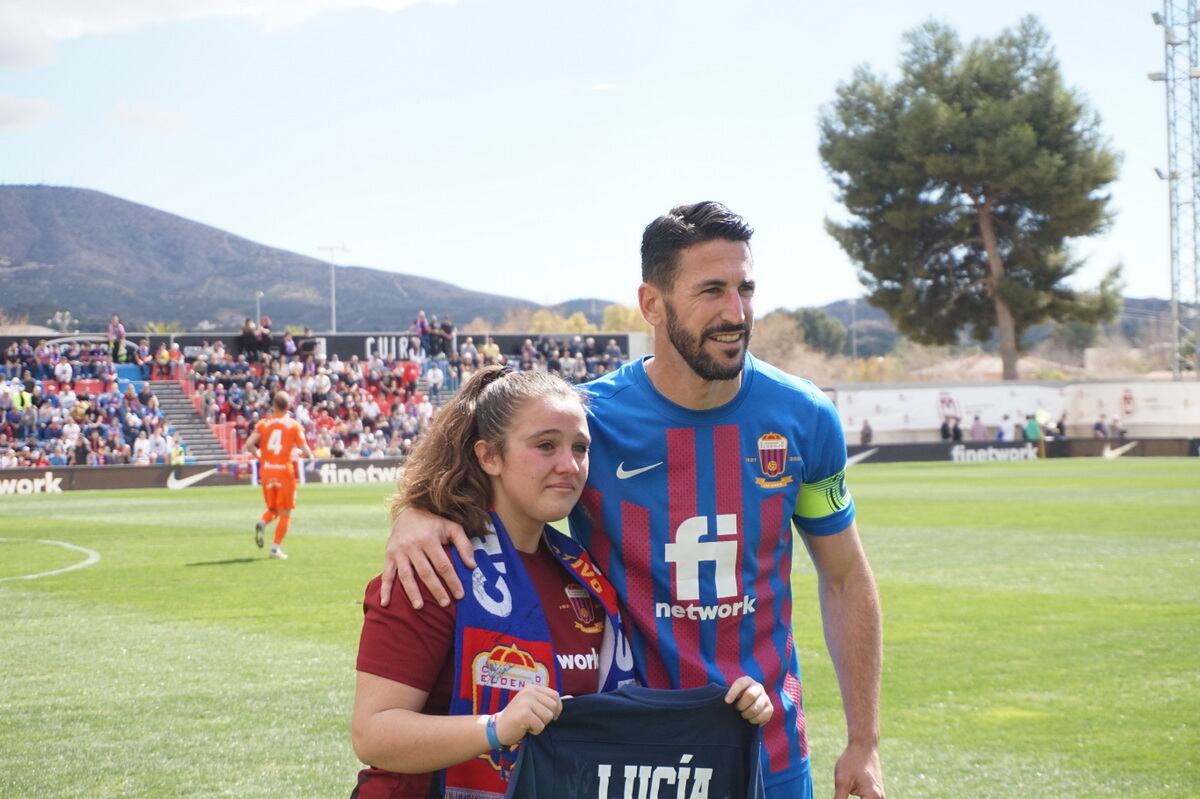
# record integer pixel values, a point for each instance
(689, 514)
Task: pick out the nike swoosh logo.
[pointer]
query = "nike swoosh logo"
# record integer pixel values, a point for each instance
(860, 457)
(1112, 454)
(174, 483)
(625, 475)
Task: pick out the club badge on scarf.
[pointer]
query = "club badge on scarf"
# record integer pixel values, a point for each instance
(502, 644)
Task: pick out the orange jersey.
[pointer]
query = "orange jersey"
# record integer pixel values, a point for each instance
(278, 438)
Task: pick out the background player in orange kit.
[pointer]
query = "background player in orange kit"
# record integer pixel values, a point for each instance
(281, 436)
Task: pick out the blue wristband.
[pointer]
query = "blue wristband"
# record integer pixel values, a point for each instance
(492, 736)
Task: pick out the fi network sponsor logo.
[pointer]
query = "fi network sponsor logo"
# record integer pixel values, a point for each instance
(337, 473)
(960, 454)
(687, 552)
(46, 484)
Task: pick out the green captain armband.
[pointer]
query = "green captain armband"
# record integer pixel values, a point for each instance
(824, 498)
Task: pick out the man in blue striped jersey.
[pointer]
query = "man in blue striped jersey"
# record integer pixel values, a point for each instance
(702, 459)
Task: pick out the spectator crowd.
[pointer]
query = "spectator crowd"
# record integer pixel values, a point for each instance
(64, 404)
(356, 408)
(575, 358)
(367, 407)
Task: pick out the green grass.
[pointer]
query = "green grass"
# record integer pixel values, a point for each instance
(1042, 633)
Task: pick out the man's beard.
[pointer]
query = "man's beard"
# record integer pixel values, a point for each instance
(692, 349)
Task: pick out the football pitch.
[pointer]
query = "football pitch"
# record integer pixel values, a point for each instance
(1042, 636)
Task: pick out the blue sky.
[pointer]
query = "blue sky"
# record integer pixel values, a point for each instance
(519, 147)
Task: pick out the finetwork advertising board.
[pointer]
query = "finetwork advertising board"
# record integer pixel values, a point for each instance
(55, 480)
(1023, 451)
(974, 452)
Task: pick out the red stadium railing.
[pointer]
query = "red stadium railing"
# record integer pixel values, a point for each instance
(225, 432)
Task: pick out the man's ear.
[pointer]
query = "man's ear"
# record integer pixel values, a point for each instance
(650, 302)
(489, 459)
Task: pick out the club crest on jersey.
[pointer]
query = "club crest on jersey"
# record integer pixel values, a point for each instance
(587, 573)
(583, 608)
(772, 460)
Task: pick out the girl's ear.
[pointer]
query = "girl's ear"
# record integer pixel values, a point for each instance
(489, 459)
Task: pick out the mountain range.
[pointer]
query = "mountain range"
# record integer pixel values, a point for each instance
(95, 255)
(83, 251)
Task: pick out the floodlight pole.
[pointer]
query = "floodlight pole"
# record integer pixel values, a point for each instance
(1193, 73)
(1181, 27)
(331, 251)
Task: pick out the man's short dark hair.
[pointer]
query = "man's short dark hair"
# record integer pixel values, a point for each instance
(680, 228)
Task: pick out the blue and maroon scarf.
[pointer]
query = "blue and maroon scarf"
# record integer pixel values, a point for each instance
(502, 643)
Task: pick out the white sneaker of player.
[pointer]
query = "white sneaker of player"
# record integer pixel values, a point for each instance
(276, 552)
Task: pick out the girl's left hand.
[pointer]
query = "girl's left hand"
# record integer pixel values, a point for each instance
(751, 700)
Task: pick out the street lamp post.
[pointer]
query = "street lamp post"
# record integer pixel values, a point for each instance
(258, 295)
(854, 328)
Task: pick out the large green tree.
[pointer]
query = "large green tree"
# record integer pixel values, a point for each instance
(965, 180)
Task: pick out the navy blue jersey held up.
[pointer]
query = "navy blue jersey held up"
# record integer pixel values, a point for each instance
(643, 743)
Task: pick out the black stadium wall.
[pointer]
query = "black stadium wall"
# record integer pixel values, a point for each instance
(388, 345)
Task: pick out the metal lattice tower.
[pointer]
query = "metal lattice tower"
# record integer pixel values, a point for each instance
(1180, 22)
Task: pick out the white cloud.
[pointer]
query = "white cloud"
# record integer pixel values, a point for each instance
(23, 40)
(18, 113)
(148, 116)
(604, 87)
(29, 29)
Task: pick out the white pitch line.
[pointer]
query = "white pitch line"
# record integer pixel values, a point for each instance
(92, 557)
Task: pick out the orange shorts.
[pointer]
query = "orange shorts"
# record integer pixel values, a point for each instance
(279, 493)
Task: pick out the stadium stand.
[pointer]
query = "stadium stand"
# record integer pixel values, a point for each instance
(85, 402)
(88, 420)
(202, 440)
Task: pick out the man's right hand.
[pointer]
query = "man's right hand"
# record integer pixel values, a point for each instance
(415, 555)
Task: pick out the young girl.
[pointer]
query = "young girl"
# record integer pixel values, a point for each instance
(452, 688)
